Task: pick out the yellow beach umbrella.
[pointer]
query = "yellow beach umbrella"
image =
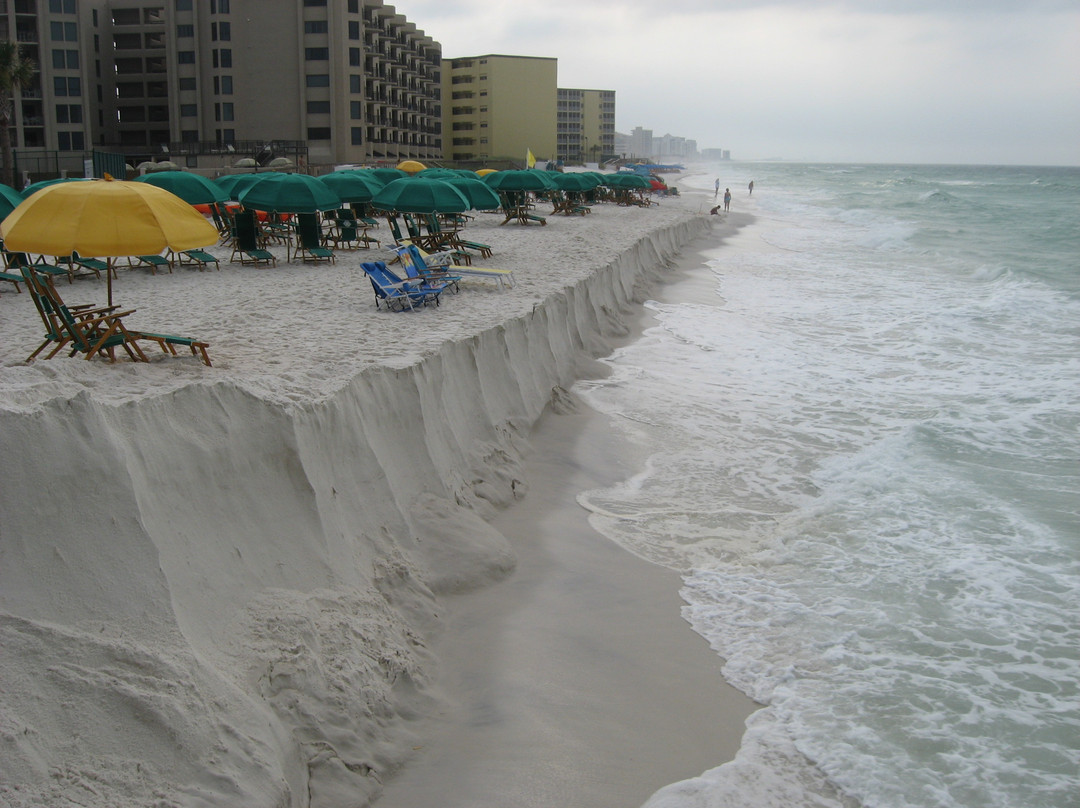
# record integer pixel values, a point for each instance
(483, 172)
(103, 219)
(411, 166)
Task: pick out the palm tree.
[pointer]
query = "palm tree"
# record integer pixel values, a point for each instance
(16, 73)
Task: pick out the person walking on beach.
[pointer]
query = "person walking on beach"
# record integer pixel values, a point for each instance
(716, 191)
(751, 187)
(727, 198)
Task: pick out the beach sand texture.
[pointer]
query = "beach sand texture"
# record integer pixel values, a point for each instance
(228, 585)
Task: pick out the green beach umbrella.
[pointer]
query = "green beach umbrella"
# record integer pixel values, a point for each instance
(629, 181)
(236, 184)
(387, 174)
(480, 196)
(519, 180)
(353, 186)
(9, 200)
(574, 182)
(418, 195)
(30, 190)
(289, 193)
(194, 189)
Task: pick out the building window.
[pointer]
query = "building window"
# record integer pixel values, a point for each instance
(316, 27)
(227, 112)
(185, 31)
(318, 107)
(356, 83)
(189, 110)
(62, 6)
(357, 136)
(226, 85)
(317, 54)
(185, 57)
(318, 80)
(354, 29)
(314, 3)
(189, 135)
(183, 5)
(225, 30)
(66, 86)
(356, 110)
(318, 133)
(354, 57)
(186, 84)
(354, 6)
(226, 57)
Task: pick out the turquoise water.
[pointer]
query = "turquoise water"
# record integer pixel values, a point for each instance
(864, 456)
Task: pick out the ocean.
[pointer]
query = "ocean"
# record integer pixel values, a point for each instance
(863, 442)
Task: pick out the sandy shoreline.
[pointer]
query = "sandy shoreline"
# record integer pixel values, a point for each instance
(574, 681)
(233, 575)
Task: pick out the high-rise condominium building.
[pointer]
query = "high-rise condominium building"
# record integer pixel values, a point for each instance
(586, 125)
(498, 106)
(332, 81)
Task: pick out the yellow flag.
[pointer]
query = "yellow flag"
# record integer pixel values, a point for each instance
(530, 161)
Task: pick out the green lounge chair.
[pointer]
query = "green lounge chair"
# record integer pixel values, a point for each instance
(309, 245)
(452, 240)
(88, 331)
(17, 260)
(93, 331)
(246, 249)
(200, 258)
(153, 261)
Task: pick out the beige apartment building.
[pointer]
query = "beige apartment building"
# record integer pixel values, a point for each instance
(586, 125)
(498, 107)
(207, 81)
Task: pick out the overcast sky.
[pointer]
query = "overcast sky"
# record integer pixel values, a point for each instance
(925, 81)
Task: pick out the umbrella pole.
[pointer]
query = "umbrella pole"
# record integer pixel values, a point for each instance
(109, 275)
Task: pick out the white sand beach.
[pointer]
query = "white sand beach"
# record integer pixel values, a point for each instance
(339, 562)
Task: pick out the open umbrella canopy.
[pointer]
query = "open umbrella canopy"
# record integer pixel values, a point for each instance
(480, 196)
(9, 200)
(236, 184)
(353, 186)
(418, 195)
(33, 188)
(626, 181)
(290, 193)
(410, 166)
(483, 172)
(194, 189)
(520, 180)
(440, 173)
(105, 218)
(387, 174)
(574, 182)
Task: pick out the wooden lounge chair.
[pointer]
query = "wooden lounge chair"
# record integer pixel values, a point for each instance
(14, 261)
(77, 265)
(94, 331)
(200, 258)
(246, 249)
(153, 261)
(396, 293)
(348, 235)
(309, 245)
(12, 278)
(451, 239)
(516, 207)
(87, 331)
